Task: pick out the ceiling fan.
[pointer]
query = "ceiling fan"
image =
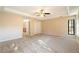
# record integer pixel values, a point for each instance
(42, 13)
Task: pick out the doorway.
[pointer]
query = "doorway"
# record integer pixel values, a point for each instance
(26, 27)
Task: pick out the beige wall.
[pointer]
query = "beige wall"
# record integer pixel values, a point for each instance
(11, 25)
(57, 26)
(77, 25)
(1, 16)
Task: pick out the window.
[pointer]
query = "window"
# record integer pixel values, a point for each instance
(71, 26)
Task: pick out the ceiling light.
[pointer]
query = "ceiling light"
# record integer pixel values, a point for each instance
(41, 13)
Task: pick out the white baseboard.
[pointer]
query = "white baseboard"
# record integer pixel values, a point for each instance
(64, 36)
(10, 38)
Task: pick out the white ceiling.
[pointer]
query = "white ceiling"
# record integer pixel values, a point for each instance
(55, 11)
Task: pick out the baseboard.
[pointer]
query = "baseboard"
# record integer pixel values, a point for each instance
(10, 38)
(35, 34)
(53, 35)
(66, 37)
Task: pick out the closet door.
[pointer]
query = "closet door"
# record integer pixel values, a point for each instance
(37, 27)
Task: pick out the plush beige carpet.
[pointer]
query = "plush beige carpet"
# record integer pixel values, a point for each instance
(40, 44)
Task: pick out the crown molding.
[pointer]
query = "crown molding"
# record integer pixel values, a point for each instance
(17, 12)
(22, 13)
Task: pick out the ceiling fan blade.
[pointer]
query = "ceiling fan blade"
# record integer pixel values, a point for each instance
(42, 13)
(37, 14)
(47, 13)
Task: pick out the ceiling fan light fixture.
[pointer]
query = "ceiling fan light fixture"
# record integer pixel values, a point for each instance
(42, 13)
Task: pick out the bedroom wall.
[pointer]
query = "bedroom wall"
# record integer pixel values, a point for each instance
(57, 26)
(11, 25)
